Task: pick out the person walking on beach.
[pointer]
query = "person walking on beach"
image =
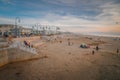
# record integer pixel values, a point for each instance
(93, 52)
(117, 50)
(97, 48)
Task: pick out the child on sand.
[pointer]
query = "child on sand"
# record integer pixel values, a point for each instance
(117, 50)
(93, 52)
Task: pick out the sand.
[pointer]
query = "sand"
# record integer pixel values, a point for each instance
(63, 62)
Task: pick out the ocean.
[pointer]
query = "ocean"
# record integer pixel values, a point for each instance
(103, 34)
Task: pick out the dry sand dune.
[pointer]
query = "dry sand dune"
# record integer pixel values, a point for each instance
(63, 62)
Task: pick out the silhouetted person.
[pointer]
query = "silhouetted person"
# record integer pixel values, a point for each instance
(93, 52)
(60, 41)
(27, 44)
(97, 48)
(117, 50)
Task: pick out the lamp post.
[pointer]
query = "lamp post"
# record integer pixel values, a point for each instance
(33, 30)
(17, 31)
(36, 31)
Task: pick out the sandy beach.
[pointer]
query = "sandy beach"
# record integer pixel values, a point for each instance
(69, 62)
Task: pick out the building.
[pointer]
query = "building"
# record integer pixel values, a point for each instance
(5, 28)
(12, 29)
(26, 30)
(17, 30)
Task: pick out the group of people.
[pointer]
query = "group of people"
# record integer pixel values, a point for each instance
(26, 43)
(96, 48)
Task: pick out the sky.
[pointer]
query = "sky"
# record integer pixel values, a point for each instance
(80, 16)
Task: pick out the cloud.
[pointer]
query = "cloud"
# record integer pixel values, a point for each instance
(8, 2)
(110, 13)
(4, 20)
(61, 2)
(65, 22)
(72, 15)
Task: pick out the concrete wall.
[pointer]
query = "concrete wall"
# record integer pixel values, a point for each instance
(4, 28)
(3, 57)
(15, 55)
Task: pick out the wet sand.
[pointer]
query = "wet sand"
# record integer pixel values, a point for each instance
(63, 62)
